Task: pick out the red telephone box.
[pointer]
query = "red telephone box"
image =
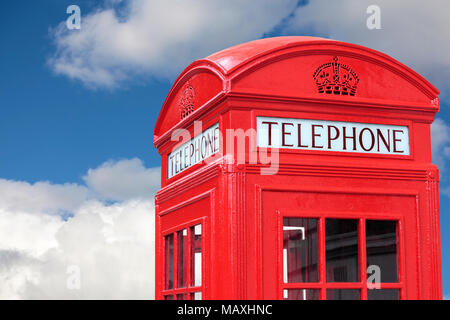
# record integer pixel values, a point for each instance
(298, 168)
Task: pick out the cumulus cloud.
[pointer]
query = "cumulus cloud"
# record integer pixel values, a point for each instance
(109, 244)
(440, 143)
(412, 31)
(123, 180)
(40, 197)
(157, 37)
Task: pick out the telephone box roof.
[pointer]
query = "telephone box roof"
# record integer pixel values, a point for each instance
(235, 56)
(221, 73)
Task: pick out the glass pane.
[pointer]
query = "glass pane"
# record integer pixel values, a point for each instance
(181, 296)
(342, 294)
(301, 294)
(168, 258)
(381, 243)
(300, 251)
(341, 250)
(383, 294)
(196, 255)
(169, 297)
(196, 296)
(182, 258)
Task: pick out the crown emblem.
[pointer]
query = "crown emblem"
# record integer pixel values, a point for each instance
(435, 102)
(336, 78)
(186, 103)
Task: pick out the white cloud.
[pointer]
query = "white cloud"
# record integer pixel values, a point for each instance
(157, 37)
(412, 31)
(111, 244)
(123, 180)
(40, 197)
(113, 248)
(31, 232)
(130, 38)
(440, 143)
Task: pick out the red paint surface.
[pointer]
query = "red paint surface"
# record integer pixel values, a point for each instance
(241, 210)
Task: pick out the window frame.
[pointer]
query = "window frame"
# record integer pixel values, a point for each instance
(322, 283)
(188, 289)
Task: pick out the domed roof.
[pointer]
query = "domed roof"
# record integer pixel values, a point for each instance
(290, 68)
(237, 55)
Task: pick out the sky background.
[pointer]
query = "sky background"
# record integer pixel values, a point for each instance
(78, 169)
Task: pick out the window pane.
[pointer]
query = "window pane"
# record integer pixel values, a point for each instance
(381, 243)
(342, 294)
(169, 297)
(341, 250)
(301, 294)
(181, 296)
(383, 294)
(182, 258)
(168, 258)
(300, 251)
(196, 255)
(196, 296)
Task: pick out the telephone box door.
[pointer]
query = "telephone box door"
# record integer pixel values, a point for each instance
(338, 244)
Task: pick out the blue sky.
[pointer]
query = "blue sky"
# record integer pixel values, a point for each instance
(53, 128)
(63, 129)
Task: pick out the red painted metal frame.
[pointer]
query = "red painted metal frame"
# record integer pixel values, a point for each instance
(361, 216)
(322, 284)
(273, 78)
(188, 289)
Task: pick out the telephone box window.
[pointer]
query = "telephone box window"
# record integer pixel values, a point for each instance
(169, 262)
(302, 294)
(182, 258)
(183, 263)
(343, 294)
(381, 244)
(181, 296)
(341, 250)
(196, 255)
(383, 294)
(196, 296)
(300, 250)
(335, 244)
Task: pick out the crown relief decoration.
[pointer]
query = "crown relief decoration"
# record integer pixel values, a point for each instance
(336, 78)
(435, 102)
(186, 103)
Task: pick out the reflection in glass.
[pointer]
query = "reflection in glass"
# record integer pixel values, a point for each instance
(343, 294)
(341, 236)
(300, 251)
(383, 294)
(381, 243)
(181, 296)
(196, 296)
(196, 255)
(168, 258)
(301, 294)
(181, 258)
(169, 297)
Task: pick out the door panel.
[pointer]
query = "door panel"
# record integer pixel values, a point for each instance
(321, 244)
